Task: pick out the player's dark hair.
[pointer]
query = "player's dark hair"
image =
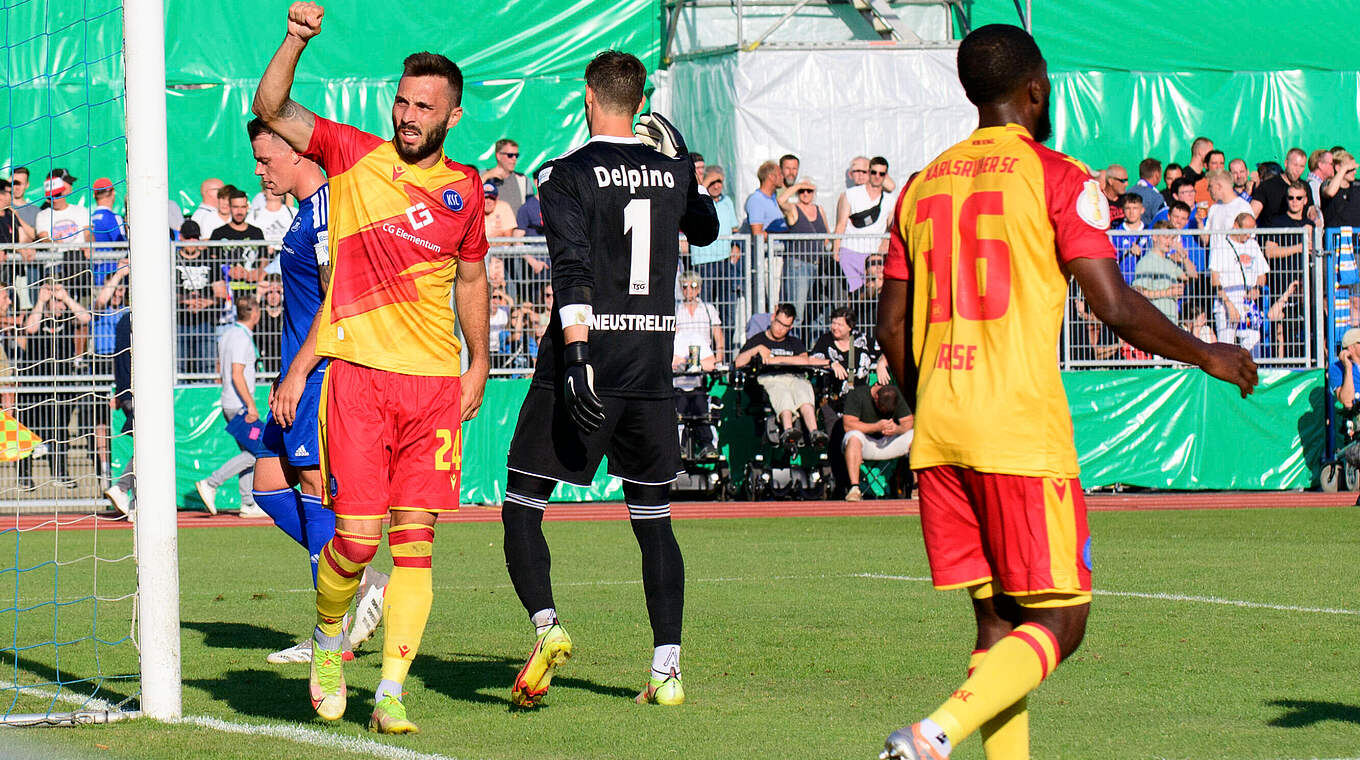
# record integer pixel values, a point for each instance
(1178, 206)
(844, 313)
(1128, 198)
(424, 64)
(617, 79)
(787, 310)
(256, 127)
(1181, 182)
(1148, 167)
(995, 59)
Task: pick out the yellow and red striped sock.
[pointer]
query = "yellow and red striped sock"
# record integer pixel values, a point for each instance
(410, 594)
(1011, 669)
(343, 559)
(1005, 737)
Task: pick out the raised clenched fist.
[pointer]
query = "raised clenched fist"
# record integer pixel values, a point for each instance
(304, 20)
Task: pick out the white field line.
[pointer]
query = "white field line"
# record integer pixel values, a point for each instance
(1165, 597)
(302, 735)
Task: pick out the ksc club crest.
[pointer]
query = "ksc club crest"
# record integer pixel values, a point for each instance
(453, 200)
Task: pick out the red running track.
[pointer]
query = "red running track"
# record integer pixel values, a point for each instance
(746, 509)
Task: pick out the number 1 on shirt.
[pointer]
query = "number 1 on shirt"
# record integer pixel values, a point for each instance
(637, 219)
(982, 296)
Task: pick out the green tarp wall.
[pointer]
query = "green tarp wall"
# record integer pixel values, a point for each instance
(522, 63)
(1144, 78)
(1173, 429)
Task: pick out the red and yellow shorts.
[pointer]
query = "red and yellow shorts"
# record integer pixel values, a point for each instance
(389, 441)
(1027, 535)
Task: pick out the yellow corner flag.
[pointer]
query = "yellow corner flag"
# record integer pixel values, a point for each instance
(18, 441)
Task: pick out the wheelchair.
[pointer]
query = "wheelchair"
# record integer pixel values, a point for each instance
(779, 471)
(706, 474)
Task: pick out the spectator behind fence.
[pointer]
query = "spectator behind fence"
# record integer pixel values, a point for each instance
(878, 427)
(214, 210)
(269, 331)
(66, 222)
(1193, 257)
(718, 263)
(1183, 191)
(780, 358)
(246, 263)
(519, 340)
(1285, 255)
(788, 169)
(498, 216)
(273, 216)
(700, 168)
(1343, 377)
(1199, 150)
(236, 360)
(1169, 176)
(1214, 161)
(1269, 200)
(1225, 209)
(862, 212)
(762, 210)
(1114, 183)
(852, 355)
(13, 230)
(512, 187)
(120, 494)
(1238, 270)
(1243, 184)
(20, 180)
(802, 258)
(1129, 246)
(864, 302)
(1321, 167)
(106, 226)
(1149, 174)
(1340, 200)
(201, 294)
(48, 339)
(110, 306)
(698, 338)
(1160, 277)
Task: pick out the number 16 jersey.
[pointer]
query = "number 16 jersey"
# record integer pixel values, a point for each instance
(983, 235)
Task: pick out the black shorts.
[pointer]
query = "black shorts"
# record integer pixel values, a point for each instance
(639, 437)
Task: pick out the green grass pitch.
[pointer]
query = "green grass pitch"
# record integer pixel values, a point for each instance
(794, 647)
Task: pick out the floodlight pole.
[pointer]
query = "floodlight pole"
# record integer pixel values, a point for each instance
(153, 370)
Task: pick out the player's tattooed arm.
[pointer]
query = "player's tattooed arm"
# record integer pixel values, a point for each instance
(273, 103)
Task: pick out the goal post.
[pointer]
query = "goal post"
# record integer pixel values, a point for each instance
(153, 370)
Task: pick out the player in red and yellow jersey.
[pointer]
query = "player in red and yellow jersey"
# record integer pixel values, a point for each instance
(983, 242)
(406, 232)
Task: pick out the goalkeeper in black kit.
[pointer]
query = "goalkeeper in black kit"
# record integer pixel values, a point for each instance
(613, 211)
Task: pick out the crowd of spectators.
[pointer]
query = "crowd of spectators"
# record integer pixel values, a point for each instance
(61, 311)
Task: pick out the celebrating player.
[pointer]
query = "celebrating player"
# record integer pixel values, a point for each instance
(291, 434)
(612, 212)
(406, 229)
(982, 244)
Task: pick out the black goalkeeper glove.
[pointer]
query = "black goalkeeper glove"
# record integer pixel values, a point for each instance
(660, 135)
(578, 388)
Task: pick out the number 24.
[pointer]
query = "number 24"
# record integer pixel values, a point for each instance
(981, 295)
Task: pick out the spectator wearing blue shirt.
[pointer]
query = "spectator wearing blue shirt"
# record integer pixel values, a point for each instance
(1343, 377)
(763, 214)
(107, 227)
(1149, 174)
(529, 223)
(1128, 246)
(109, 307)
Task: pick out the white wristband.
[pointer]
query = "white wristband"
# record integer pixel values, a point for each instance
(576, 314)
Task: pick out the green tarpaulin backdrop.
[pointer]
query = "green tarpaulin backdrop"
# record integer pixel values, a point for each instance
(1174, 429)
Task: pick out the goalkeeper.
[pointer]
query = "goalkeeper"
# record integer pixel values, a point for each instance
(613, 210)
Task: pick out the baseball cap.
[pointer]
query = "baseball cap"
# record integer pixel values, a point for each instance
(54, 187)
(1351, 337)
(103, 183)
(489, 188)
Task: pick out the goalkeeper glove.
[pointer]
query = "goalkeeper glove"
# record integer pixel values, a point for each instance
(578, 388)
(660, 135)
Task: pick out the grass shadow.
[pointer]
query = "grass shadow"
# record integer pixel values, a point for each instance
(1306, 712)
(241, 635)
(267, 694)
(92, 686)
(472, 677)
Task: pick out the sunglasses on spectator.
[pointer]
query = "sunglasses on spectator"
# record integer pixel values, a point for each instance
(510, 155)
(878, 174)
(1297, 198)
(1120, 179)
(803, 192)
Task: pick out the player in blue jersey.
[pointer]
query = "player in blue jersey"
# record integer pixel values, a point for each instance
(289, 456)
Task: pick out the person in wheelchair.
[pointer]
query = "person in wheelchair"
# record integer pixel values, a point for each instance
(878, 427)
(698, 348)
(781, 360)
